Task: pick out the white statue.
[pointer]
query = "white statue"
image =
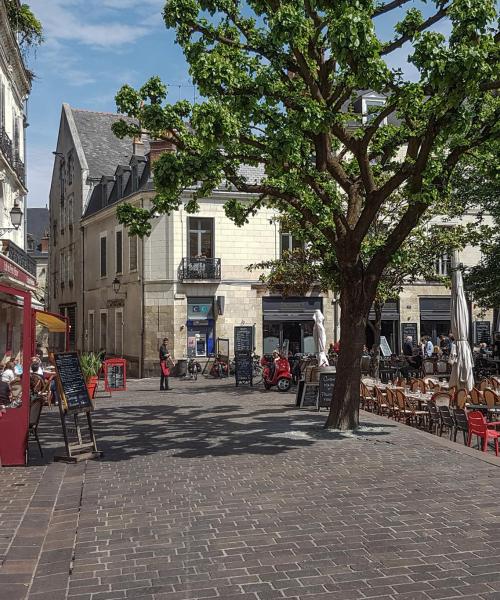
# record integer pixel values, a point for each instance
(319, 335)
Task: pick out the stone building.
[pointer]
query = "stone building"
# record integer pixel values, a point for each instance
(188, 280)
(37, 247)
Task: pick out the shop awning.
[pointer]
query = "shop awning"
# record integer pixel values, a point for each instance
(54, 323)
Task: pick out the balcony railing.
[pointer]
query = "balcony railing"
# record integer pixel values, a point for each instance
(200, 269)
(19, 256)
(11, 156)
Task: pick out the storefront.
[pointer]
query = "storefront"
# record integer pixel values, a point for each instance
(200, 326)
(389, 326)
(288, 323)
(435, 317)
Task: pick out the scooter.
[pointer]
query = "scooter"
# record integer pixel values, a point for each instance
(281, 377)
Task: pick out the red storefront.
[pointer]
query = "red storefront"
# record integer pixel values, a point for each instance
(16, 286)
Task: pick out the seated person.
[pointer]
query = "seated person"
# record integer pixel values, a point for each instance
(8, 374)
(36, 366)
(5, 393)
(37, 381)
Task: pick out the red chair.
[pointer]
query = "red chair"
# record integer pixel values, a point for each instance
(478, 426)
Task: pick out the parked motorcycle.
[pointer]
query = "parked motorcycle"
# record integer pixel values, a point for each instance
(276, 373)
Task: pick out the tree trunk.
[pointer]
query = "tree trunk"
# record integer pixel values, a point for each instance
(377, 328)
(355, 304)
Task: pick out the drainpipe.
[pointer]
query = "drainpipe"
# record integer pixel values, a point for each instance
(84, 320)
(141, 279)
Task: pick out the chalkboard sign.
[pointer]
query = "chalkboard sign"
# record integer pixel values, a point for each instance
(409, 329)
(243, 339)
(71, 382)
(309, 395)
(243, 368)
(115, 375)
(483, 332)
(384, 346)
(326, 385)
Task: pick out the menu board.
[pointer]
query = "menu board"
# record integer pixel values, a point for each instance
(409, 329)
(243, 339)
(309, 395)
(72, 383)
(115, 377)
(243, 368)
(326, 385)
(483, 332)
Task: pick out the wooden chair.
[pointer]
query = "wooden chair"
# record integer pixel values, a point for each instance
(380, 404)
(483, 384)
(476, 397)
(441, 399)
(386, 401)
(441, 368)
(418, 385)
(367, 398)
(428, 367)
(461, 398)
(491, 398)
(416, 415)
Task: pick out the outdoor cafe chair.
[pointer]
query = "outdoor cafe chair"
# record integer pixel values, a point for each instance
(483, 384)
(418, 385)
(380, 402)
(480, 428)
(428, 367)
(446, 420)
(491, 398)
(476, 397)
(441, 368)
(367, 399)
(442, 399)
(412, 414)
(461, 423)
(433, 417)
(392, 404)
(36, 406)
(461, 398)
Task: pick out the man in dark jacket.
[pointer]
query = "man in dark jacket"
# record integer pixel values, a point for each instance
(164, 370)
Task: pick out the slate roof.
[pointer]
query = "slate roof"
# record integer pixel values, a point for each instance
(37, 223)
(103, 150)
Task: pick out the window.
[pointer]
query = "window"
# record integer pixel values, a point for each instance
(119, 332)
(90, 331)
(2, 105)
(119, 250)
(103, 330)
(16, 138)
(288, 243)
(119, 186)
(372, 109)
(443, 265)
(134, 178)
(69, 212)
(62, 185)
(201, 234)
(71, 168)
(104, 257)
(62, 268)
(71, 265)
(132, 253)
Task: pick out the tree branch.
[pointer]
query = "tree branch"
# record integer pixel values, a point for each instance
(388, 48)
(388, 7)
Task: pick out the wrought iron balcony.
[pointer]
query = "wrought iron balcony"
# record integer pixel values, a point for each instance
(11, 156)
(199, 269)
(19, 256)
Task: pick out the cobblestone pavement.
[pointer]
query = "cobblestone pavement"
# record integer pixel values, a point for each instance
(210, 491)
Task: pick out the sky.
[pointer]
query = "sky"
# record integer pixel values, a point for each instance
(92, 48)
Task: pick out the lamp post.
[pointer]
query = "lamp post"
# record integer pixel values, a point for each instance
(16, 218)
(116, 285)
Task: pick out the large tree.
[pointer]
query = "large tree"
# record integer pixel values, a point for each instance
(279, 82)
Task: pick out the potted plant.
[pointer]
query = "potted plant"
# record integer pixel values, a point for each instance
(91, 365)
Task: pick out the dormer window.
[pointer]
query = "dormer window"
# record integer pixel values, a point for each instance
(371, 108)
(135, 182)
(119, 185)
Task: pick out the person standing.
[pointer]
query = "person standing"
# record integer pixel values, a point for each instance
(164, 370)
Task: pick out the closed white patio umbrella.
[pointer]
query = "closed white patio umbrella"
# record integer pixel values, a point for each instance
(462, 375)
(319, 335)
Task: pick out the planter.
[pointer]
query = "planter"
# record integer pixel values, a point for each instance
(92, 386)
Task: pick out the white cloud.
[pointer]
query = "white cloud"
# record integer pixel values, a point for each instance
(70, 20)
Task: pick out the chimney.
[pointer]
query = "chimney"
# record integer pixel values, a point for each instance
(44, 243)
(158, 147)
(138, 146)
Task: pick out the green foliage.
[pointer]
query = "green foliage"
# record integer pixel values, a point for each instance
(90, 364)
(279, 84)
(25, 24)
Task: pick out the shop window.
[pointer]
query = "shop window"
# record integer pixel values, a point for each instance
(119, 250)
(132, 252)
(103, 255)
(201, 237)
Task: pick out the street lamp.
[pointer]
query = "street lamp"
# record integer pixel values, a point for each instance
(116, 285)
(16, 218)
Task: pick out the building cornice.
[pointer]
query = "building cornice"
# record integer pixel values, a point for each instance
(11, 60)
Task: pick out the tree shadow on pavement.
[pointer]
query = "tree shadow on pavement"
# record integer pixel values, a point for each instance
(124, 431)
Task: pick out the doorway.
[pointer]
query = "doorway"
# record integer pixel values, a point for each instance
(292, 336)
